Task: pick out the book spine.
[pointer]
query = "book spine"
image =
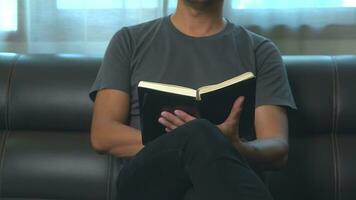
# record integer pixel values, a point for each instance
(198, 97)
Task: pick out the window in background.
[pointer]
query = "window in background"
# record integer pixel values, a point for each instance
(86, 26)
(172, 4)
(349, 3)
(107, 4)
(8, 15)
(263, 4)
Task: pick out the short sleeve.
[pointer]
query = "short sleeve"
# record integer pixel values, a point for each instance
(272, 85)
(114, 71)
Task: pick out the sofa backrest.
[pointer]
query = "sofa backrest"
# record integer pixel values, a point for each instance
(322, 133)
(45, 115)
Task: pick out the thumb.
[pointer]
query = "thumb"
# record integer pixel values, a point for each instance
(236, 109)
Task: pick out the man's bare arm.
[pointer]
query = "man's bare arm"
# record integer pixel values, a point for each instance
(270, 149)
(109, 133)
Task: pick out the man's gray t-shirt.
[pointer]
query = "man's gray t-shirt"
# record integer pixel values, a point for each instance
(157, 51)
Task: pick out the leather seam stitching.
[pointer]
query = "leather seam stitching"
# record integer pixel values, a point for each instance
(108, 178)
(12, 72)
(334, 130)
(333, 127)
(7, 121)
(2, 154)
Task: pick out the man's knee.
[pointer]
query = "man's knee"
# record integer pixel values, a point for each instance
(200, 123)
(204, 131)
(205, 143)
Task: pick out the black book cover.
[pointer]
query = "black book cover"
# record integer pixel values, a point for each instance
(214, 106)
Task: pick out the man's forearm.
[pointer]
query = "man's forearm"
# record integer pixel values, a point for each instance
(129, 144)
(118, 139)
(265, 154)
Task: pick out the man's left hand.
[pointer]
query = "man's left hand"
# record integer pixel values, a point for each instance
(173, 120)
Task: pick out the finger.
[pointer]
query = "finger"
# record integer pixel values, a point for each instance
(236, 108)
(183, 115)
(172, 118)
(167, 130)
(166, 123)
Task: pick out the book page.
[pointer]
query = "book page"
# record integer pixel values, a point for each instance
(169, 88)
(236, 79)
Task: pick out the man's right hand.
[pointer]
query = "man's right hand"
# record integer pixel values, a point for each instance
(230, 127)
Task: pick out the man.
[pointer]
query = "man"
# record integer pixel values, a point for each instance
(195, 46)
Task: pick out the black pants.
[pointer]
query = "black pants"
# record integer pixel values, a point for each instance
(195, 156)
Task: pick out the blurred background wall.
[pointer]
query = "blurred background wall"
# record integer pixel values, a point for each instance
(86, 26)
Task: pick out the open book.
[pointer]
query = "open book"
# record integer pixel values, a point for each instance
(212, 102)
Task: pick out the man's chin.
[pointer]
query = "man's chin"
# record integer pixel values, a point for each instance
(201, 3)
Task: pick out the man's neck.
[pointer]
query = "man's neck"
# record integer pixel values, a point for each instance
(198, 21)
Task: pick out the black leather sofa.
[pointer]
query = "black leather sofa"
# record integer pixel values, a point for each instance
(45, 116)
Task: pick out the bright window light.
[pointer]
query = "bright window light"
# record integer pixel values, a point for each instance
(141, 3)
(8, 15)
(172, 4)
(349, 3)
(106, 4)
(89, 4)
(263, 4)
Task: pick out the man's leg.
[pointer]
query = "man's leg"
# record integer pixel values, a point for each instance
(193, 155)
(156, 172)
